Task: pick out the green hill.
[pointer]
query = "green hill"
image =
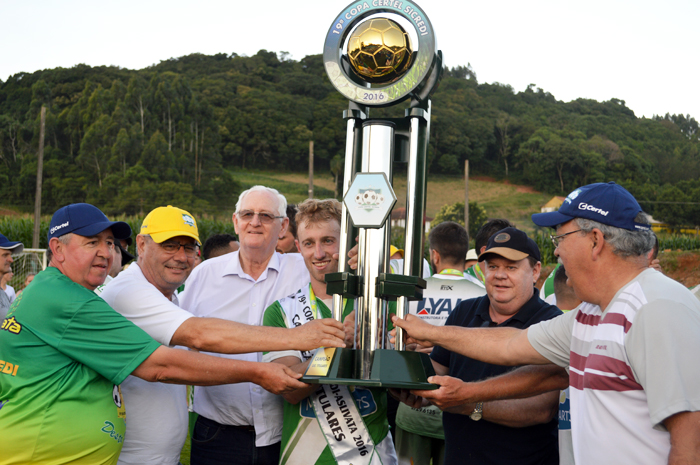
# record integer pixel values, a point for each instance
(187, 130)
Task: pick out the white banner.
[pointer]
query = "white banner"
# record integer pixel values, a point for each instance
(342, 425)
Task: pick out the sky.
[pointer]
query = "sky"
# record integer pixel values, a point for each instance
(644, 52)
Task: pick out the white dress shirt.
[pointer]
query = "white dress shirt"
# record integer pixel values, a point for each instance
(219, 288)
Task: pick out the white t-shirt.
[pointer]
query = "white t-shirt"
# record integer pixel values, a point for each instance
(157, 417)
(631, 366)
(10, 291)
(396, 265)
(219, 288)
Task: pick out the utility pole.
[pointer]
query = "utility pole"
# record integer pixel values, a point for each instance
(311, 169)
(39, 176)
(466, 195)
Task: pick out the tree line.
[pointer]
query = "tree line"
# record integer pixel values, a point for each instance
(182, 131)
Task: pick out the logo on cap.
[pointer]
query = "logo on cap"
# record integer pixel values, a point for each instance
(503, 237)
(189, 221)
(585, 206)
(572, 196)
(59, 226)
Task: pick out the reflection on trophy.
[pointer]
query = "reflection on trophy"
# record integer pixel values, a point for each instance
(380, 54)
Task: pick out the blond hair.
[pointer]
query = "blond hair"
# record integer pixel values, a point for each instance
(313, 211)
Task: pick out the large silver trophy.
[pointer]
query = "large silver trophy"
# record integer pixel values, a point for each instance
(378, 54)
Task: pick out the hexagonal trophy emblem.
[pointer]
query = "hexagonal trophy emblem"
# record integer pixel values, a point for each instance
(369, 200)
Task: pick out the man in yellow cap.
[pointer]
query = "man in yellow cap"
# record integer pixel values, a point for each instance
(65, 352)
(145, 294)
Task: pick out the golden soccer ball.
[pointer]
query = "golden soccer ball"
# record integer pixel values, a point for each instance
(379, 50)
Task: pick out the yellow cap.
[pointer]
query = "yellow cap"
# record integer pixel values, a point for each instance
(166, 222)
(393, 250)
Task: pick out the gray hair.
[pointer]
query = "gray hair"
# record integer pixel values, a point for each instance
(625, 243)
(281, 200)
(66, 238)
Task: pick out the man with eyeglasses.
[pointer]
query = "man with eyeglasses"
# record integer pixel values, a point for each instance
(65, 352)
(631, 347)
(242, 424)
(145, 294)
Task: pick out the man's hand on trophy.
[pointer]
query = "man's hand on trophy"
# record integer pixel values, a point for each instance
(349, 326)
(452, 392)
(415, 347)
(415, 330)
(408, 398)
(319, 333)
(352, 257)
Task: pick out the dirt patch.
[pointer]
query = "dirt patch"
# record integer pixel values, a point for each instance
(526, 190)
(6, 212)
(518, 188)
(684, 267)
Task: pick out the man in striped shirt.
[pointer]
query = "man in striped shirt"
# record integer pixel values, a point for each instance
(630, 348)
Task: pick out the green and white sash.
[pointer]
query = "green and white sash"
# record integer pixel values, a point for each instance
(340, 423)
(343, 427)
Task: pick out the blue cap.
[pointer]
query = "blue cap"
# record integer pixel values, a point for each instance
(606, 203)
(15, 246)
(85, 220)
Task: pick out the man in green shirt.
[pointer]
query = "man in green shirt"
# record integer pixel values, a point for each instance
(325, 424)
(65, 351)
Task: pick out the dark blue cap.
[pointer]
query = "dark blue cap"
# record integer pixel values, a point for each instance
(513, 244)
(85, 220)
(5, 243)
(606, 203)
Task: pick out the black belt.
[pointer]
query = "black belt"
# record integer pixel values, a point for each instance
(214, 423)
(243, 427)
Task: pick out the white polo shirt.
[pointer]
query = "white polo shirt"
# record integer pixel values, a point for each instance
(157, 416)
(219, 288)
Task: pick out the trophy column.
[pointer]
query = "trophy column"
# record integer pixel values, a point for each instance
(373, 247)
(380, 55)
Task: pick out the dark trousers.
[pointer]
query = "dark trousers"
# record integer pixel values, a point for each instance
(216, 444)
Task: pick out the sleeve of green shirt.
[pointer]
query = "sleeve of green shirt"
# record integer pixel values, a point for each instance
(104, 340)
(276, 317)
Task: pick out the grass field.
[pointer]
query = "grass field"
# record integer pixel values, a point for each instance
(501, 200)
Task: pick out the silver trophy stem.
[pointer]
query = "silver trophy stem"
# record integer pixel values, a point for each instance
(413, 262)
(348, 173)
(373, 253)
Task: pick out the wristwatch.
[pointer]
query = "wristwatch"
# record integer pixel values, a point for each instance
(477, 413)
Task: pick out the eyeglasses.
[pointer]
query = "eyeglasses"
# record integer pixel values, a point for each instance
(173, 247)
(265, 218)
(556, 240)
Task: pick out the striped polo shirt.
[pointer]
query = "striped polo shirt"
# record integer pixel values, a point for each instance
(630, 367)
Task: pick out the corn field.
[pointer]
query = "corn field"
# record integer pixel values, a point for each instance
(666, 242)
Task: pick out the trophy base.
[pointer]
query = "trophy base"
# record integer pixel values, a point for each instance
(390, 369)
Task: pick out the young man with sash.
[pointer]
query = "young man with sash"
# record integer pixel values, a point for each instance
(325, 424)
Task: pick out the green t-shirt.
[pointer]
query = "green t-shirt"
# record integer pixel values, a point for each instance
(475, 272)
(300, 419)
(69, 350)
(548, 286)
